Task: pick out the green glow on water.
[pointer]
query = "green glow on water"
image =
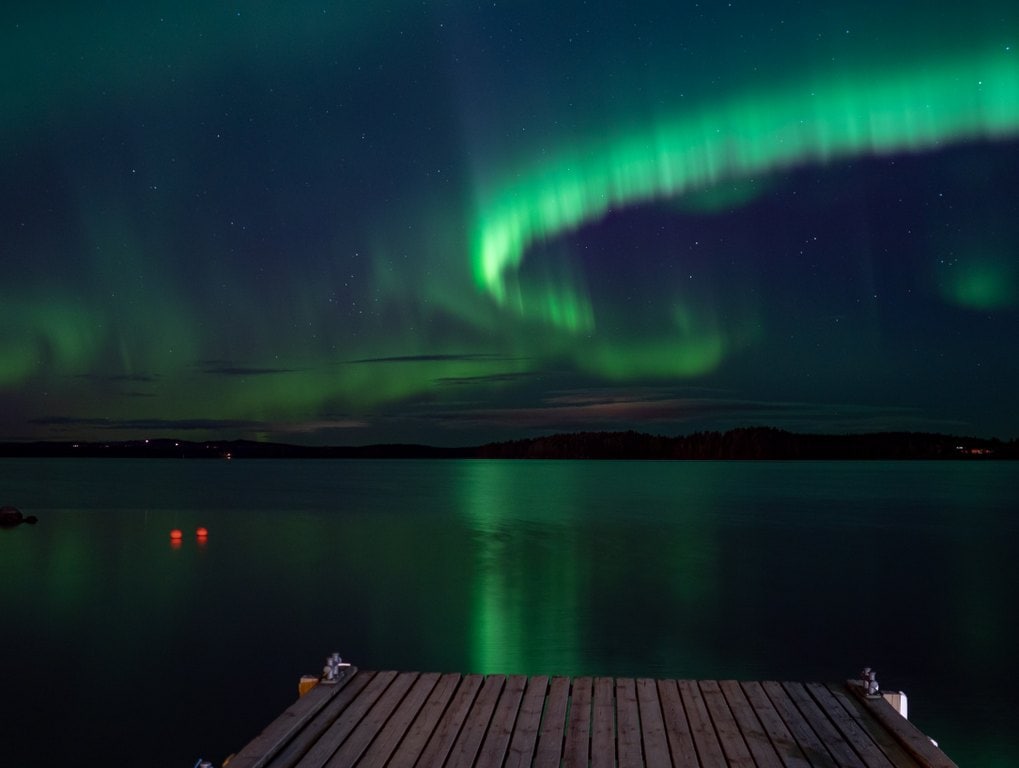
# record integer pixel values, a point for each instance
(547, 567)
(507, 578)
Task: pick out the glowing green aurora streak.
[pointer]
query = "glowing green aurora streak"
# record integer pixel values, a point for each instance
(920, 108)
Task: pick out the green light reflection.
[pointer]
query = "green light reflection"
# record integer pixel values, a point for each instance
(527, 579)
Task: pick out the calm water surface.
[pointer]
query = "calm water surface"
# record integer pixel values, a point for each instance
(122, 649)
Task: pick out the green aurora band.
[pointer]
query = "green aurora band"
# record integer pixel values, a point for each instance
(919, 108)
(150, 338)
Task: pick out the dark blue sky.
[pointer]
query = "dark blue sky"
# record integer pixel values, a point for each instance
(459, 222)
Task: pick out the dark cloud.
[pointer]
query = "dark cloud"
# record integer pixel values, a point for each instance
(651, 410)
(164, 425)
(134, 378)
(493, 378)
(226, 368)
(458, 358)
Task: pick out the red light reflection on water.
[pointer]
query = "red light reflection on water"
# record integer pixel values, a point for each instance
(177, 538)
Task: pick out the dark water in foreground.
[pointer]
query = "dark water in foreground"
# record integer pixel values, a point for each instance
(122, 650)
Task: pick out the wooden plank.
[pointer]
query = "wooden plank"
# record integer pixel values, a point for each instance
(881, 736)
(339, 730)
(911, 737)
(401, 720)
(709, 750)
(733, 744)
(295, 750)
(553, 724)
(603, 724)
(525, 733)
(264, 747)
(677, 727)
(840, 749)
(493, 751)
(628, 746)
(782, 740)
(475, 726)
(396, 728)
(652, 726)
(856, 736)
(373, 722)
(812, 747)
(577, 750)
(448, 727)
(750, 726)
(425, 722)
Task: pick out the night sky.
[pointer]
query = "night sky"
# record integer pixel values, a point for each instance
(455, 222)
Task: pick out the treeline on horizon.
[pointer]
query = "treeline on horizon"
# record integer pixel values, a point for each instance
(747, 443)
(752, 443)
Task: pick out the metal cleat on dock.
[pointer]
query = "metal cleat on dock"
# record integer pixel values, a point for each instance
(868, 677)
(331, 671)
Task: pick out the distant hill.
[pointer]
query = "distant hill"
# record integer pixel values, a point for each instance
(752, 443)
(226, 449)
(740, 444)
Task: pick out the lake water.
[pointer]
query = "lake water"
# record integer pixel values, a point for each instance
(122, 649)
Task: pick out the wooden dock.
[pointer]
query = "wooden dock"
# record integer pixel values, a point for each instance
(405, 719)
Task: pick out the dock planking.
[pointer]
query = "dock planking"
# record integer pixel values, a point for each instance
(414, 720)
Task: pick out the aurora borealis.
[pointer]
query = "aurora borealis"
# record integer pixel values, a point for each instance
(458, 222)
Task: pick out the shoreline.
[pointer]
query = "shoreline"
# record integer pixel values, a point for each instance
(755, 443)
